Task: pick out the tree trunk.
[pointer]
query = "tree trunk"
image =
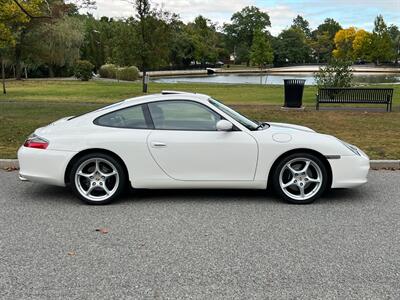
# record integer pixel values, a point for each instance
(3, 76)
(144, 74)
(18, 66)
(51, 71)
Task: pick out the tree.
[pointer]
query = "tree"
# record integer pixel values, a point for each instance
(61, 42)
(330, 26)
(143, 14)
(204, 39)
(261, 53)
(244, 24)
(322, 43)
(322, 46)
(382, 47)
(362, 45)
(13, 18)
(394, 33)
(344, 43)
(103, 37)
(302, 24)
(83, 70)
(337, 73)
(291, 47)
(153, 36)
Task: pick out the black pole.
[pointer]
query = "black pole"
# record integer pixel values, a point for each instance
(144, 80)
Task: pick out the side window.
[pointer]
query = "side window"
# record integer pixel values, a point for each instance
(130, 117)
(183, 115)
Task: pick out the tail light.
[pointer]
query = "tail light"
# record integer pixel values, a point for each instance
(34, 141)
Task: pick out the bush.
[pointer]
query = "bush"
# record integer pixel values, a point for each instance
(121, 73)
(83, 70)
(128, 73)
(336, 74)
(108, 71)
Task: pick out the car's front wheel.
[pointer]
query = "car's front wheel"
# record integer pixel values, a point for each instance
(97, 178)
(300, 178)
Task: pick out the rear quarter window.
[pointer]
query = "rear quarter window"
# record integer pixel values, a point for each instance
(130, 117)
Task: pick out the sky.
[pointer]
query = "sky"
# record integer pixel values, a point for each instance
(358, 13)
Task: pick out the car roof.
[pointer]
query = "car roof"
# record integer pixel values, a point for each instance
(163, 96)
(169, 95)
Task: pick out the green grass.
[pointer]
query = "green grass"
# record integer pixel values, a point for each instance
(104, 92)
(31, 104)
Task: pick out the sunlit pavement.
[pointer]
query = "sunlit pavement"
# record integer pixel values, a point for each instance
(200, 244)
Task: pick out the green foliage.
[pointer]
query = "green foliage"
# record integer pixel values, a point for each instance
(382, 49)
(128, 73)
(108, 71)
(204, 40)
(321, 41)
(291, 47)
(330, 26)
(394, 33)
(122, 73)
(13, 19)
(261, 53)
(61, 41)
(52, 34)
(337, 73)
(83, 70)
(243, 26)
(302, 24)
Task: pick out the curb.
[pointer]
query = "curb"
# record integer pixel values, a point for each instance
(375, 164)
(9, 164)
(385, 164)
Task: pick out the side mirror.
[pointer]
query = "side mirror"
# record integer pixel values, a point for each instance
(224, 125)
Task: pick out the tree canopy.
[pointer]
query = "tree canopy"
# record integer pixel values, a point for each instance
(47, 37)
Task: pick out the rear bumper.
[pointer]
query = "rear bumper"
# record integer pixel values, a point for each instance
(349, 171)
(44, 166)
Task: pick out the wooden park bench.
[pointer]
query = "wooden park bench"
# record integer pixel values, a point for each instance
(356, 95)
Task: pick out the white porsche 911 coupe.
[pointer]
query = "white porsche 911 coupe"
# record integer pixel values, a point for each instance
(185, 140)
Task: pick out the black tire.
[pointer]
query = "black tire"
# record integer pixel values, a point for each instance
(282, 165)
(119, 184)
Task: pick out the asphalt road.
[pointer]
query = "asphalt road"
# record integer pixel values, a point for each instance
(200, 244)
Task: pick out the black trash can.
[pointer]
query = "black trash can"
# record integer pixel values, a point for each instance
(294, 92)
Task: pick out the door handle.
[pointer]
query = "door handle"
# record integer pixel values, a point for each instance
(158, 144)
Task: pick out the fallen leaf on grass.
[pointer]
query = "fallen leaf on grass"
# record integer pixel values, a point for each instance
(102, 230)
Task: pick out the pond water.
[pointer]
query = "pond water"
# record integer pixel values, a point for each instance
(367, 78)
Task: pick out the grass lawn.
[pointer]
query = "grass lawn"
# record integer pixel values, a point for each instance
(34, 103)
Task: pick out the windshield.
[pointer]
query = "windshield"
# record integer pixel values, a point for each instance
(235, 115)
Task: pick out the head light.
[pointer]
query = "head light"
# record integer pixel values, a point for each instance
(352, 148)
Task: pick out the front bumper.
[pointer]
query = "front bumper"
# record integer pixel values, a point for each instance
(44, 166)
(350, 171)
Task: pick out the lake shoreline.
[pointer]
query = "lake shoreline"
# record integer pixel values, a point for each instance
(280, 70)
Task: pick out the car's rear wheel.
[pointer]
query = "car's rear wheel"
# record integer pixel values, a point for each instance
(300, 178)
(97, 178)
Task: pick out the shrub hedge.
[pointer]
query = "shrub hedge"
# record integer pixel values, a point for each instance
(121, 73)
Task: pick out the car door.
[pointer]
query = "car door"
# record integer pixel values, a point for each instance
(186, 145)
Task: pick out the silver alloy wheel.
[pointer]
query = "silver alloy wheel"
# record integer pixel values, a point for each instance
(300, 178)
(96, 179)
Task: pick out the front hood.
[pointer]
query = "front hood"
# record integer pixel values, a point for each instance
(290, 126)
